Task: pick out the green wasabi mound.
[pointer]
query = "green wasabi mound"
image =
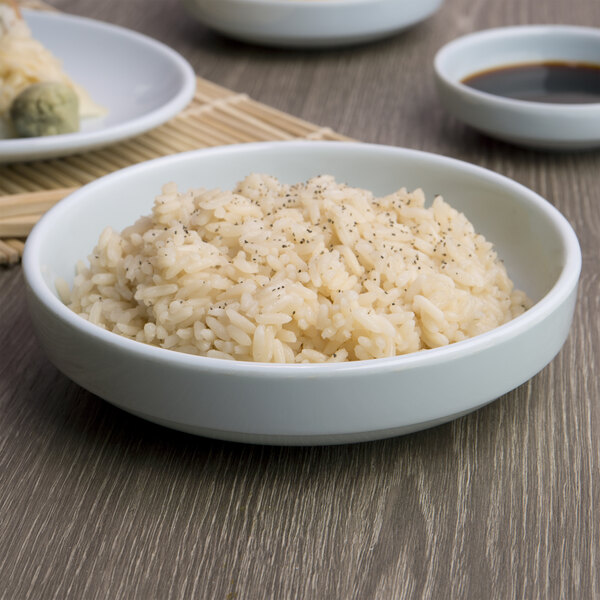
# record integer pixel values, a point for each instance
(48, 108)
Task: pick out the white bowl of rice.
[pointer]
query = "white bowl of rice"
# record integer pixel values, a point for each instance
(302, 292)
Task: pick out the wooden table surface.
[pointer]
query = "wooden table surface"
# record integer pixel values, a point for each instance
(503, 503)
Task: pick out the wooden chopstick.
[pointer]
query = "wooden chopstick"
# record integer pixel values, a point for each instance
(19, 226)
(31, 203)
(8, 254)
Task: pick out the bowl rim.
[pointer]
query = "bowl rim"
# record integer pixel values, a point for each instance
(444, 56)
(307, 5)
(558, 293)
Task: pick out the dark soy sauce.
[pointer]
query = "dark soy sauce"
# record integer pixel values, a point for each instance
(553, 82)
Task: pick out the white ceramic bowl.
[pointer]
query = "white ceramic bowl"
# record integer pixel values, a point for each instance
(310, 23)
(141, 82)
(535, 124)
(308, 404)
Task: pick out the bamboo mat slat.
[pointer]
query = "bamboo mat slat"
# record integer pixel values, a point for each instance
(216, 116)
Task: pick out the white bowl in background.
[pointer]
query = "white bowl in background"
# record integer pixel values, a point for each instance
(533, 124)
(322, 403)
(141, 82)
(310, 23)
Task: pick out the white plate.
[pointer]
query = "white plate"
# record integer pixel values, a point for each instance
(533, 124)
(310, 23)
(141, 82)
(322, 403)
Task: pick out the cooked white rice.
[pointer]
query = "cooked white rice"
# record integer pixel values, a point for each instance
(312, 272)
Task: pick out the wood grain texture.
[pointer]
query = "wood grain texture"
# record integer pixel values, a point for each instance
(503, 503)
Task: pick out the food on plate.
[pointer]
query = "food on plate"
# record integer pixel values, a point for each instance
(24, 62)
(46, 108)
(311, 272)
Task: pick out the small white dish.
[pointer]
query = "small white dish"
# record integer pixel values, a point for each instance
(141, 82)
(310, 23)
(533, 124)
(322, 403)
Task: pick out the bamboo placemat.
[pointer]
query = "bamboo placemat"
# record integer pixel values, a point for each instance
(215, 117)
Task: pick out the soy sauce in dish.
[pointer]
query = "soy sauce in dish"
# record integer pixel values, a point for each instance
(552, 82)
